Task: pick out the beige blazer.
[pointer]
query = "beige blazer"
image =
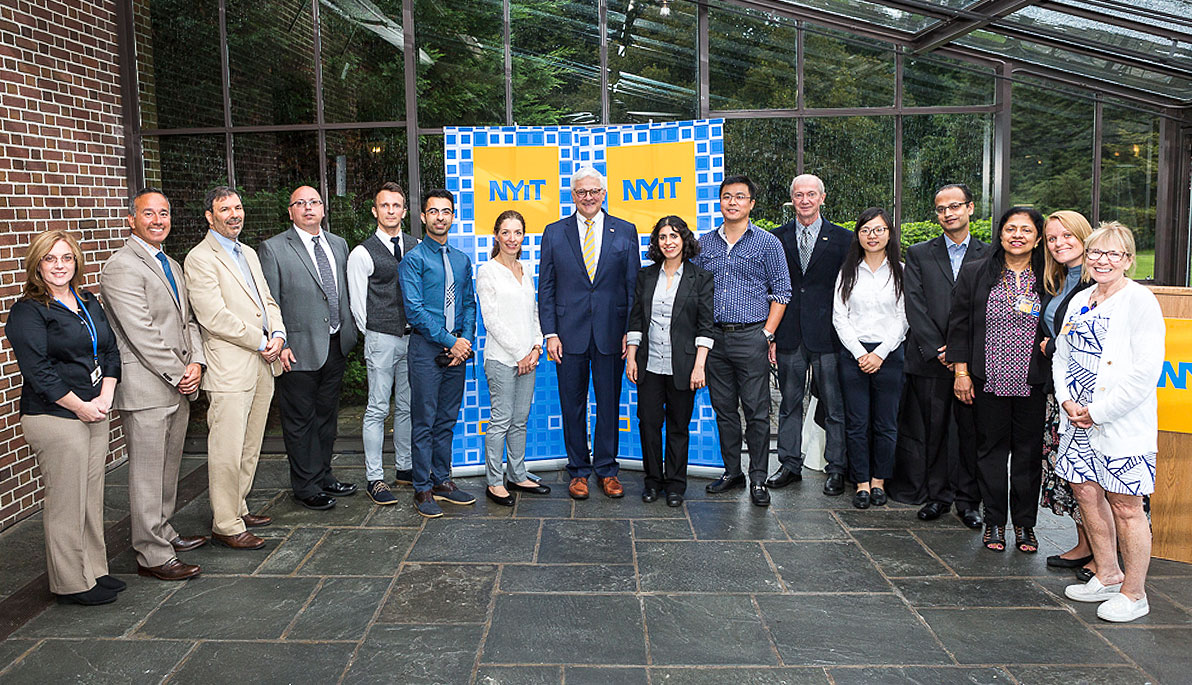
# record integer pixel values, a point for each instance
(157, 335)
(229, 319)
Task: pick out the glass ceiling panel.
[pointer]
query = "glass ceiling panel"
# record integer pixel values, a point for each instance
(868, 12)
(1161, 84)
(950, 4)
(1103, 34)
(1172, 15)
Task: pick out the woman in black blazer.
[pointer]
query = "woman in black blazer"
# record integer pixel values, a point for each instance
(670, 333)
(994, 343)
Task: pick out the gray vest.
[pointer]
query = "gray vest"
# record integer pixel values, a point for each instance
(384, 309)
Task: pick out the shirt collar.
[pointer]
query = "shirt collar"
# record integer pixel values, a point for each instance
(148, 248)
(884, 265)
(228, 243)
(307, 238)
(720, 232)
(815, 225)
(962, 245)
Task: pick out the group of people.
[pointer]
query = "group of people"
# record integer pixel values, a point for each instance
(956, 378)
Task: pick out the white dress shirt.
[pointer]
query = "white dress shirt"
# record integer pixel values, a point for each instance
(597, 233)
(360, 267)
(509, 311)
(309, 241)
(873, 314)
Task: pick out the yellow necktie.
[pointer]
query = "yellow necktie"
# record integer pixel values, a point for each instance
(590, 251)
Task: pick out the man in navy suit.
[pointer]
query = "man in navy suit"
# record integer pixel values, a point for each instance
(586, 278)
(815, 249)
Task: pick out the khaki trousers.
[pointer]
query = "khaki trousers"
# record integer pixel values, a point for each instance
(154, 438)
(236, 426)
(71, 455)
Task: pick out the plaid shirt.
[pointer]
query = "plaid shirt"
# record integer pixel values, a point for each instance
(748, 277)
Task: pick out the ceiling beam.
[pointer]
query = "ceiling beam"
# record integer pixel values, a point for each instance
(1117, 20)
(987, 11)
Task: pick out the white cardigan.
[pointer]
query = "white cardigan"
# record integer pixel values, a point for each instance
(1124, 406)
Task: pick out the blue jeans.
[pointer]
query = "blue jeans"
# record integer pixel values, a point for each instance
(871, 414)
(510, 396)
(435, 397)
(388, 377)
(792, 379)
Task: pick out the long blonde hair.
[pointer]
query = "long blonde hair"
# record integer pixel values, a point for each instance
(1054, 273)
(35, 286)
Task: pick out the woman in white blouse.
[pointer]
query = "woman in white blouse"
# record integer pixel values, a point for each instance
(513, 343)
(870, 320)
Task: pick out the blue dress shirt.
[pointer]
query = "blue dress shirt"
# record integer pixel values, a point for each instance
(748, 277)
(423, 279)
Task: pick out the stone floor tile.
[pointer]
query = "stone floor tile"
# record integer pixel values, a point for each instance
(826, 566)
(440, 593)
(568, 578)
(884, 517)
(412, 654)
(400, 515)
(728, 521)
(272, 474)
(992, 636)
(585, 542)
(359, 552)
(898, 553)
(858, 627)
(348, 511)
(810, 524)
(961, 551)
(704, 567)
(13, 648)
(1178, 590)
(919, 675)
(706, 629)
(536, 506)
(754, 676)
(520, 623)
(519, 675)
(236, 608)
(341, 609)
(630, 506)
(141, 597)
(115, 503)
(662, 529)
(291, 551)
(24, 556)
(605, 675)
(1161, 652)
(456, 540)
(97, 661)
(261, 662)
(1164, 567)
(1078, 675)
(965, 592)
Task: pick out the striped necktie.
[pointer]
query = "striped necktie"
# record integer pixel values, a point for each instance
(590, 251)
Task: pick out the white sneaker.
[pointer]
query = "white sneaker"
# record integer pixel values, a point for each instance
(1122, 609)
(1092, 591)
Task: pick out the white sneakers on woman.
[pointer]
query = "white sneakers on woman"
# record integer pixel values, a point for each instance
(1115, 606)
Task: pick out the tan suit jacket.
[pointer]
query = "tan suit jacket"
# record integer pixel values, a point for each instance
(157, 335)
(229, 318)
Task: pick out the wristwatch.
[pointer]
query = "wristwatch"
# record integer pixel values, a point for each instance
(768, 334)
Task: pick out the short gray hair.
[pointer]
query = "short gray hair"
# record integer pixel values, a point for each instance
(588, 172)
(808, 177)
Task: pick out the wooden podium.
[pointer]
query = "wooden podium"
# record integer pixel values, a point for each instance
(1171, 508)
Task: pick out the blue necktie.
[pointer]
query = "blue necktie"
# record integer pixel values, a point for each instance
(165, 266)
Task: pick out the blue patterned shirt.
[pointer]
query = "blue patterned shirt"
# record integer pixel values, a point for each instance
(956, 252)
(749, 276)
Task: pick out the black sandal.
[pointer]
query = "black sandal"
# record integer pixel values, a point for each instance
(994, 538)
(1025, 540)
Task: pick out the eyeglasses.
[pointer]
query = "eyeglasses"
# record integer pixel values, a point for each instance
(435, 211)
(1114, 256)
(953, 207)
(739, 197)
(809, 195)
(306, 203)
(586, 192)
(875, 231)
(50, 260)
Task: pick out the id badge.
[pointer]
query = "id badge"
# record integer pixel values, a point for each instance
(1027, 305)
(96, 375)
(1067, 329)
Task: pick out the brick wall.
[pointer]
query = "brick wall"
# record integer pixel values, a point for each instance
(61, 166)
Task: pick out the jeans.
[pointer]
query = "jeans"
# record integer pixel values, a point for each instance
(388, 377)
(434, 408)
(871, 414)
(510, 396)
(792, 379)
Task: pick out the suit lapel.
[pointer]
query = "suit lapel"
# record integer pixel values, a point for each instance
(940, 252)
(653, 273)
(686, 283)
(606, 245)
(155, 267)
(222, 256)
(821, 244)
(571, 235)
(303, 256)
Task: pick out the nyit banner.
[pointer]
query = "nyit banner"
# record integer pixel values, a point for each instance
(1175, 395)
(653, 170)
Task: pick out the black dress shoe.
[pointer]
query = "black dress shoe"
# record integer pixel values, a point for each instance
(338, 489)
(649, 495)
(877, 497)
(116, 585)
(674, 499)
(725, 483)
(1054, 561)
(834, 485)
(538, 489)
(783, 477)
(98, 594)
(971, 518)
(861, 499)
(759, 495)
(319, 501)
(1084, 575)
(932, 510)
(506, 501)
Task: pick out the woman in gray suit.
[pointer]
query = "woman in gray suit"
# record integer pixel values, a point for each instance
(670, 333)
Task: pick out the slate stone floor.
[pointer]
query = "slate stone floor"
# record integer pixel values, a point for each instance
(554, 591)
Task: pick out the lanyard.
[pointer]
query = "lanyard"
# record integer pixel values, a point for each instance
(85, 317)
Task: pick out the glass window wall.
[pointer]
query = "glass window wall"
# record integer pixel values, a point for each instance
(752, 60)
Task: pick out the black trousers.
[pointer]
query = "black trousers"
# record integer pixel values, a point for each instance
(936, 456)
(659, 399)
(309, 405)
(871, 414)
(738, 371)
(1010, 428)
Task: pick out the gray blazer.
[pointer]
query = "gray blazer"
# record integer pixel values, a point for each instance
(294, 281)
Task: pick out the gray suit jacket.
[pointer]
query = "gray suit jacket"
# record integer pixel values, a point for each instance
(294, 281)
(157, 335)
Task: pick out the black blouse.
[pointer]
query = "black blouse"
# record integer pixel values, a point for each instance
(53, 349)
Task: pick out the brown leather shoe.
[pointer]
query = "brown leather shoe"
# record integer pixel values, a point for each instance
(245, 540)
(171, 570)
(578, 488)
(255, 521)
(612, 487)
(185, 544)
